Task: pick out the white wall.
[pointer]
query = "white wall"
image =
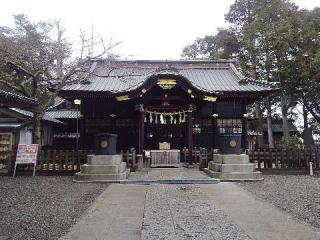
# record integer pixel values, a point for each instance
(25, 136)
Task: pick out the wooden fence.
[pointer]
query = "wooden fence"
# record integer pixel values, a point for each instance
(63, 161)
(269, 159)
(200, 156)
(285, 158)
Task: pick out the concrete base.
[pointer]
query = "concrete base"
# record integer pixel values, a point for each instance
(229, 168)
(103, 168)
(231, 158)
(233, 168)
(104, 159)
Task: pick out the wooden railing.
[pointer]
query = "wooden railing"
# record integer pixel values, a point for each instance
(285, 158)
(69, 161)
(62, 160)
(200, 156)
(66, 161)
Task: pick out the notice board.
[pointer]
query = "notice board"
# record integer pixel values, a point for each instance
(27, 154)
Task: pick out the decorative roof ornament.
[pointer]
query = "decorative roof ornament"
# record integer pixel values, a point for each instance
(210, 98)
(166, 84)
(122, 98)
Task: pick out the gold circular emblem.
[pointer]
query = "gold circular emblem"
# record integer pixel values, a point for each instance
(104, 144)
(232, 143)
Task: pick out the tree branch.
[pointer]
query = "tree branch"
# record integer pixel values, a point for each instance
(3, 82)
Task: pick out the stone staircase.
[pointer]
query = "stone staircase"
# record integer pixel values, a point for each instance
(103, 168)
(232, 167)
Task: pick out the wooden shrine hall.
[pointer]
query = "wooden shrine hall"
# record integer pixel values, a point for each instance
(156, 105)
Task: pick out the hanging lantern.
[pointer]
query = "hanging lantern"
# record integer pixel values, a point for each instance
(145, 117)
(171, 119)
(156, 121)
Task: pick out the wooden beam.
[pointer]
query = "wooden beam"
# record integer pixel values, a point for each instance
(165, 98)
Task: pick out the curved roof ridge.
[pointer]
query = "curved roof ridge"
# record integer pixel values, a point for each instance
(121, 77)
(166, 60)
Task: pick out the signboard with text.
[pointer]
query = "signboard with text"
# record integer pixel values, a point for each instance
(27, 154)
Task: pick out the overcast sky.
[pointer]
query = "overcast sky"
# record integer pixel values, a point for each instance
(148, 29)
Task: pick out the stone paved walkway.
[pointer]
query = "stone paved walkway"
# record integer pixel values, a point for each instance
(117, 214)
(169, 174)
(257, 218)
(185, 212)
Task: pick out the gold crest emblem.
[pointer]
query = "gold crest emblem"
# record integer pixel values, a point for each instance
(104, 144)
(232, 143)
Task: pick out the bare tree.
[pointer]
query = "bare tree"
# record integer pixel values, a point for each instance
(36, 61)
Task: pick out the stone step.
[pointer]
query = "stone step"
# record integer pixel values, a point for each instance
(110, 178)
(104, 159)
(217, 167)
(103, 169)
(231, 158)
(235, 176)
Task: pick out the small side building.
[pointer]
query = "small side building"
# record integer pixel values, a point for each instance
(16, 124)
(65, 136)
(277, 131)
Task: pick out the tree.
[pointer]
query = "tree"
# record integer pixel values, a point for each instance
(302, 67)
(32, 61)
(35, 61)
(223, 45)
(307, 62)
(265, 30)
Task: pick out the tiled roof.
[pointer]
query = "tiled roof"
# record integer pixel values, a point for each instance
(73, 114)
(57, 101)
(11, 125)
(45, 117)
(207, 76)
(14, 100)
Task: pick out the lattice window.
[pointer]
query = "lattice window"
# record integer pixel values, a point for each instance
(229, 125)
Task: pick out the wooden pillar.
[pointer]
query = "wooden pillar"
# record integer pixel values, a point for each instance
(215, 144)
(141, 129)
(244, 134)
(214, 128)
(190, 140)
(81, 126)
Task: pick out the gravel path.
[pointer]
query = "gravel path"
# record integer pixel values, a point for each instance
(176, 212)
(297, 195)
(42, 207)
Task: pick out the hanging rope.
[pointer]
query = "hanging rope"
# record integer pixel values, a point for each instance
(162, 117)
(167, 113)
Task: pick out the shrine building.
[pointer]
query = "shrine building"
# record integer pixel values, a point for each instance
(182, 104)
